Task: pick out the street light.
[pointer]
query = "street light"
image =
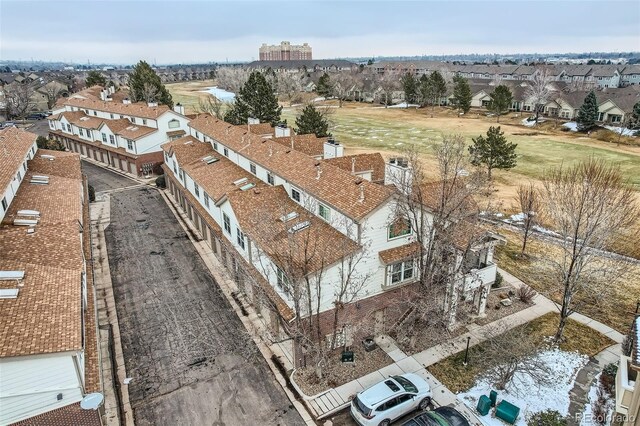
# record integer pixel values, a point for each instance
(466, 353)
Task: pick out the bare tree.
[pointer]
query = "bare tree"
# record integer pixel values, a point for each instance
(538, 91)
(342, 85)
(150, 92)
(53, 90)
(232, 78)
(528, 199)
(19, 99)
(387, 84)
(211, 105)
(588, 204)
(289, 85)
(512, 352)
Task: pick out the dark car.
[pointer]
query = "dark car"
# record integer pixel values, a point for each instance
(441, 416)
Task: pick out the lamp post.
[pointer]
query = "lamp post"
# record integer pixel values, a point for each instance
(466, 353)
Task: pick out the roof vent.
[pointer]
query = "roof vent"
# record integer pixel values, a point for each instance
(48, 157)
(39, 180)
(11, 275)
(29, 213)
(240, 181)
(299, 227)
(289, 216)
(209, 159)
(84, 118)
(8, 293)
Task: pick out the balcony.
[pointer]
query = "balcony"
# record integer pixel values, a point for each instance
(483, 274)
(626, 380)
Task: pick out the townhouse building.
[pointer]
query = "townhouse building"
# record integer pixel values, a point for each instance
(111, 129)
(627, 380)
(49, 353)
(276, 216)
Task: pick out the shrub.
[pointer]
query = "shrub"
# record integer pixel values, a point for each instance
(161, 182)
(526, 294)
(499, 279)
(92, 194)
(547, 418)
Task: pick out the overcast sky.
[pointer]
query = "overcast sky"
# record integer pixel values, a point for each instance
(202, 31)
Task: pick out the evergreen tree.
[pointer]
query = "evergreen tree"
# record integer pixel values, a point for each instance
(501, 100)
(94, 78)
(323, 88)
(145, 85)
(410, 88)
(312, 121)
(461, 94)
(634, 119)
(426, 90)
(588, 113)
(493, 151)
(438, 87)
(257, 99)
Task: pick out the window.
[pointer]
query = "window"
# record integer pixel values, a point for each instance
(227, 223)
(206, 200)
(400, 272)
(24, 166)
(95, 112)
(80, 131)
(282, 281)
(324, 212)
(240, 237)
(111, 116)
(196, 189)
(144, 121)
(166, 157)
(4, 204)
(399, 228)
(226, 152)
(215, 146)
(175, 169)
(252, 167)
(181, 175)
(174, 124)
(295, 194)
(197, 135)
(270, 179)
(88, 133)
(133, 120)
(112, 140)
(104, 138)
(130, 145)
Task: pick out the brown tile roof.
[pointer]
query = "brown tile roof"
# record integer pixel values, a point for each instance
(307, 144)
(65, 164)
(80, 119)
(363, 163)
(187, 149)
(138, 109)
(432, 194)
(14, 145)
(135, 131)
(397, 254)
(261, 129)
(69, 415)
(298, 253)
(176, 133)
(350, 195)
(117, 125)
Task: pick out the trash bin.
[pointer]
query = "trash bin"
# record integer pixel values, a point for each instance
(484, 405)
(493, 396)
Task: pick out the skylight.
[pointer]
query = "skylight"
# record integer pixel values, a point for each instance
(25, 222)
(209, 159)
(84, 118)
(47, 157)
(247, 186)
(29, 213)
(8, 293)
(299, 227)
(40, 180)
(11, 275)
(289, 216)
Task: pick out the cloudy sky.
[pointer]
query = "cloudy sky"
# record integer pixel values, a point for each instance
(201, 31)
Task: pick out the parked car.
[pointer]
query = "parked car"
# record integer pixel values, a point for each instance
(7, 124)
(390, 399)
(36, 116)
(441, 416)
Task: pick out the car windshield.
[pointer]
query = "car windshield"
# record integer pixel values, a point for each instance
(361, 407)
(406, 384)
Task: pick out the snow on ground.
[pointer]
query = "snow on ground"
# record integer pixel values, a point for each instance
(571, 125)
(587, 415)
(528, 123)
(530, 396)
(623, 130)
(319, 99)
(404, 105)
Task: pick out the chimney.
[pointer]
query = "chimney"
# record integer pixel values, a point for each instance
(152, 104)
(178, 108)
(104, 94)
(292, 142)
(282, 131)
(111, 89)
(252, 120)
(319, 172)
(353, 165)
(333, 149)
(398, 172)
(126, 101)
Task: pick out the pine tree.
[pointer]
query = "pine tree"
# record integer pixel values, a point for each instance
(94, 78)
(494, 151)
(461, 94)
(145, 85)
(426, 93)
(588, 113)
(257, 99)
(501, 100)
(438, 87)
(312, 121)
(410, 88)
(634, 119)
(323, 88)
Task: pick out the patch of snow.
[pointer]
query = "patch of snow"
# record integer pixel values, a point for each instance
(528, 123)
(621, 130)
(530, 396)
(404, 105)
(499, 215)
(520, 217)
(587, 415)
(571, 125)
(399, 143)
(545, 231)
(319, 99)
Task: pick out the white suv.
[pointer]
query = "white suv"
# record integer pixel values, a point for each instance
(390, 399)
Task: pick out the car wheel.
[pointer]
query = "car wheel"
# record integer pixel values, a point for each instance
(385, 422)
(425, 403)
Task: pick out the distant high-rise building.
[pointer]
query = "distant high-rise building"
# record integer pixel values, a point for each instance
(285, 52)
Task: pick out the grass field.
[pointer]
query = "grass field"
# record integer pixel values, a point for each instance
(189, 93)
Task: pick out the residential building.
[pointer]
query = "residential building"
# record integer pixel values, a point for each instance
(103, 125)
(627, 381)
(285, 52)
(304, 66)
(49, 352)
(262, 206)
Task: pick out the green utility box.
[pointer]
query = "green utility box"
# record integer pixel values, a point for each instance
(484, 405)
(507, 412)
(493, 396)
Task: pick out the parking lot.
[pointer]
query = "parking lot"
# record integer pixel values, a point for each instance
(189, 356)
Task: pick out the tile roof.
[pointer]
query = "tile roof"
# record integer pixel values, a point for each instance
(14, 145)
(350, 195)
(308, 144)
(261, 129)
(137, 109)
(259, 212)
(363, 163)
(407, 251)
(71, 414)
(80, 119)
